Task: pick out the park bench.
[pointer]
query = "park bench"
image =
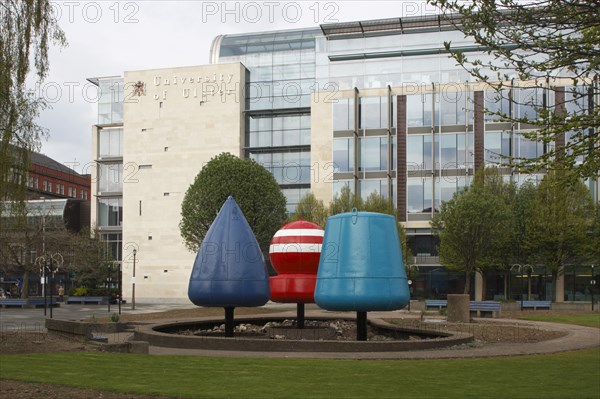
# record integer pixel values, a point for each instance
(98, 300)
(536, 305)
(27, 303)
(436, 303)
(5, 303)
(479, 307)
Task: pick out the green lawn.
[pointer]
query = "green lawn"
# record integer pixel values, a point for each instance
(566, 375)
(589, 320)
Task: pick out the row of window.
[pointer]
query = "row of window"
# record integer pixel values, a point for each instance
(59, 189)
(449, 108)
(291, 167)
(373, 113)
(373, 154)
(277, 131)
(420, 190)
(367, 187)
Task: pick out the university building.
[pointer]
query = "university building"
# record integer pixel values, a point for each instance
(372, 105)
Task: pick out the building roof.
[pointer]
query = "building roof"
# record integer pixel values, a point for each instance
(390, 26)
(42, 160)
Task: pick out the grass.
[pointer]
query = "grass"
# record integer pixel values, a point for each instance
(564, 375)
(588, 320)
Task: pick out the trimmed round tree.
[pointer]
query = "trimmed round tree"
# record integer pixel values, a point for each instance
(250, 184)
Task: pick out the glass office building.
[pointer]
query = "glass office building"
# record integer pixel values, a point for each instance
(378, 106)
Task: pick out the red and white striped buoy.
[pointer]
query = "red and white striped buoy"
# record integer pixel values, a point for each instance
(294, 252)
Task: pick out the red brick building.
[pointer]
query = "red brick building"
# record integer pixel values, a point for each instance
(51, 179)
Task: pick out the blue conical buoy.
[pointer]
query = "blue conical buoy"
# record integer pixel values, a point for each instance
(229, 269)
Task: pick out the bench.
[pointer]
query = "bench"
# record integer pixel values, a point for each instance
(27, 303)
(436, 303)
(98, 300)
(536, 305)
(492, 307)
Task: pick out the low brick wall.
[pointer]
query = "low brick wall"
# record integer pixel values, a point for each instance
(156, 337)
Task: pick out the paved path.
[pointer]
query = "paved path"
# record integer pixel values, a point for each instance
(577, 337)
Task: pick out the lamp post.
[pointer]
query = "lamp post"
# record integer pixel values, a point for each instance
(119, 283)
(108, 285)
(592, 286)
(133, 282)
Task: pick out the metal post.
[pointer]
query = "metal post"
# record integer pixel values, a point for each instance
(592, 286)
(361, 326)
(521, 287)
(51, 282)
(300, 315)
(229, 321)
(133, 283)
(44, 268)
(119, 282)
(108, 287)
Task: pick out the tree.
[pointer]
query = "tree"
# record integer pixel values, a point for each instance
(311, 209)
(559, 227)
(90, 258)
(28, 26)
(538, 42)
(473, 228)
(251, 185)
(345, 202)
(378, 203)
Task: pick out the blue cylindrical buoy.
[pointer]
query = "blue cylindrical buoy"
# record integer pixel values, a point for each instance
(361, 266)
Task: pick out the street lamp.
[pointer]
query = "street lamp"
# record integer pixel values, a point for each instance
(592, 286)
(120, 284)
(133, 282)
(109, 284)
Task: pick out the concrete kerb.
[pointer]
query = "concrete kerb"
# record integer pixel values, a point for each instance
(574, 338)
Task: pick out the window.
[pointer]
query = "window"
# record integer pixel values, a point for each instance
(58, 189)
(419, 110)
(343, 114)
(62, 189)
(287, 167)
(530, 101)
(110, 178)
(110, 101)
(113, 244)
(35, 183)
(448, 151)
(453, 105)
(343, 155)
(45, 185)
(373, 112)
(414, 152)
(110, 212)
(110, 143)
(373, 153)
(50, 186)
(414, 194)
(497, 104)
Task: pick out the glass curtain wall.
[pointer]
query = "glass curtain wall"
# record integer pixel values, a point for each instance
(109, 168)
(375, 146)
(279, 83)
(439, 149)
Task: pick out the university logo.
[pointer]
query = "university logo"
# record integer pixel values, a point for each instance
(139, 88)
